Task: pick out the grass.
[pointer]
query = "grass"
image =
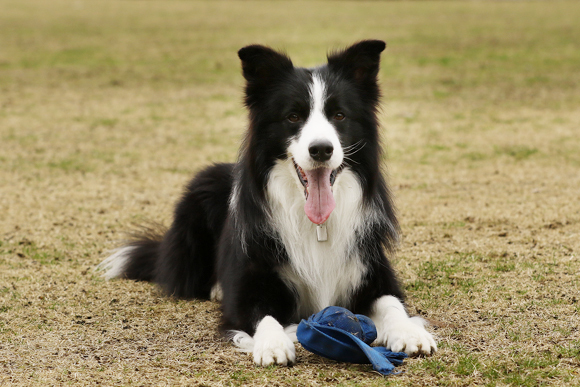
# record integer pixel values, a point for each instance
(107, 108)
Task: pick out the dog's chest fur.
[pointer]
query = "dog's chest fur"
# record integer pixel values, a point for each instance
(321, 273)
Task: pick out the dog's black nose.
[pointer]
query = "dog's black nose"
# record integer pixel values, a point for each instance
(321, 150)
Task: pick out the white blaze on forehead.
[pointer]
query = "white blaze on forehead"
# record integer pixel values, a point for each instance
(317, 128)
(317, 93)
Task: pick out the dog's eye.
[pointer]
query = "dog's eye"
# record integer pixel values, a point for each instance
(293, 117)
(339, 116)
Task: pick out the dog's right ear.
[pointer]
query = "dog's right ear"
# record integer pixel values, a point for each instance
(260, 63)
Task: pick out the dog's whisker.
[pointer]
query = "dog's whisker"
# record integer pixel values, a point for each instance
(351, 160)
(352, 146)
(353, 151)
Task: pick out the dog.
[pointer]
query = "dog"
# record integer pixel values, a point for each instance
(303, 220)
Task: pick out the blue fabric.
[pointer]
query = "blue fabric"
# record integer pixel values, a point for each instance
(336, 333)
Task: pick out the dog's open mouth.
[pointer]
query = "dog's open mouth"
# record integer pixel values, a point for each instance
(317, 185)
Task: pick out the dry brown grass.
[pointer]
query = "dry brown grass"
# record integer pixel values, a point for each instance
(107, 108)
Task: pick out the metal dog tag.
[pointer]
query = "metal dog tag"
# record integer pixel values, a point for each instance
(321, 233)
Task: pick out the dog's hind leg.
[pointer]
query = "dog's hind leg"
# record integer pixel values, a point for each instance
(187, 254)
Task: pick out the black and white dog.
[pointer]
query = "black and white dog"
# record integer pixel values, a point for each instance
(302, 221)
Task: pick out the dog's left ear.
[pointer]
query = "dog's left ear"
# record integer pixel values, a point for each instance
(359, 61)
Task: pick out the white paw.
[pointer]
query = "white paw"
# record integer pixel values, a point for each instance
(216, 294)
(399, 332)
(409, 336)
(272, 345)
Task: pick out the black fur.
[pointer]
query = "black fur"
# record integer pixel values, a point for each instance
(209, 240)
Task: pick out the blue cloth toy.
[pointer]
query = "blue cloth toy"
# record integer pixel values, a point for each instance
(338, 334)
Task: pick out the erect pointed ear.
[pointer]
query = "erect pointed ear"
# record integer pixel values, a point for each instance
(360, 61)
(262, 63)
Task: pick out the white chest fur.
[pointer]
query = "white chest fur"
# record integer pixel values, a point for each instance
(322, 273)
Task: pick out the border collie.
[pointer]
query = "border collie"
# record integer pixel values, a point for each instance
(302, 221)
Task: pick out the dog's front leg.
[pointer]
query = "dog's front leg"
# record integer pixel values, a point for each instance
(271, 343)
(399, 332)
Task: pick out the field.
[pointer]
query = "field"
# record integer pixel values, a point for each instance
(107, 108)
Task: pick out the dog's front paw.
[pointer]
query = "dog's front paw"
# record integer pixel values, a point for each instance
(272, 345)
(407, 335)
(399, 332)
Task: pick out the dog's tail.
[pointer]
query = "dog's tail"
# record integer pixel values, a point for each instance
(181, 259)
(137, 259)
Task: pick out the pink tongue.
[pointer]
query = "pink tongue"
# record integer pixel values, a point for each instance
(320, 201)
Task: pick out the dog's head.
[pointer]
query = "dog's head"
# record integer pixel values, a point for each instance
(320, 118)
